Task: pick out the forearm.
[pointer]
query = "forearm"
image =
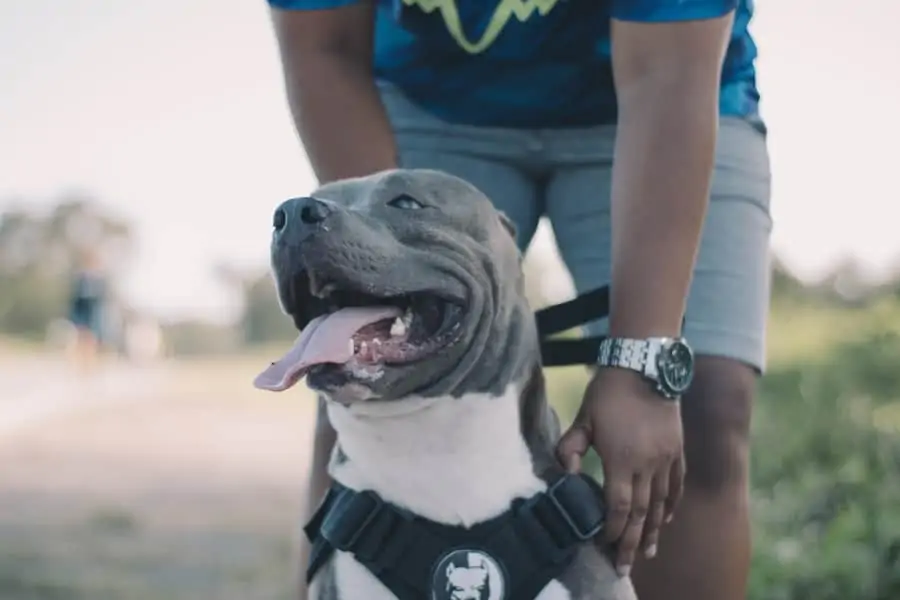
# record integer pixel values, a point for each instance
(661, 177)
(339, 116)
(318, 483)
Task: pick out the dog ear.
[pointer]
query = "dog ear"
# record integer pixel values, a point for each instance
(508, 224)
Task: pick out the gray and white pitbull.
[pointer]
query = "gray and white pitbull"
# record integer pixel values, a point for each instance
(408, 291)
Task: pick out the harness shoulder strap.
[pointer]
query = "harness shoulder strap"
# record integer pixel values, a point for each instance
(320, 550)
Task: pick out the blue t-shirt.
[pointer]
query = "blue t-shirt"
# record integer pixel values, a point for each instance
(530, 63)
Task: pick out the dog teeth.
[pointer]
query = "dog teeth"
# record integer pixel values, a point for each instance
(399, 326)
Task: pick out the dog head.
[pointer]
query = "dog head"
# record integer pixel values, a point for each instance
(406, 282)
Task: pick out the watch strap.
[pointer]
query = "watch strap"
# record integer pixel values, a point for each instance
(625, 353)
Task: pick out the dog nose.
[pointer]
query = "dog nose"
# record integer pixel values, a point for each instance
(313, 211)
(280, 219)
(296, 218)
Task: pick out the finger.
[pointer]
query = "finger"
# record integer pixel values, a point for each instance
(676, 487)
(659, 491)
(572, 446)
(617, 488)
(634, 529)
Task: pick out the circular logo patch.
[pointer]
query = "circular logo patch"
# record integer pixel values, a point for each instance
(467, 574)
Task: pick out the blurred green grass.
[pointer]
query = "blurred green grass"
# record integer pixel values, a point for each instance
(826, 453)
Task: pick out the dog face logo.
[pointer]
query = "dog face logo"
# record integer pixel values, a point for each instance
(468, 575)
(468, 583)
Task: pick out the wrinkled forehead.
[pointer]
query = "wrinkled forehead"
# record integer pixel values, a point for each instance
(453, 196)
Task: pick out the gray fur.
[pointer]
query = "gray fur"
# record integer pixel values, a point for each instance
(461, 247)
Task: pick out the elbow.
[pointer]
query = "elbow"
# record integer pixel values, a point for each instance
(680, 85)
(688, 96)
(321, 70)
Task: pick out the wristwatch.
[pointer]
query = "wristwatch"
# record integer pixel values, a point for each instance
(666, 362)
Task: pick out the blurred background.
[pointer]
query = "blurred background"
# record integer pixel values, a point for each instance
(143, 147)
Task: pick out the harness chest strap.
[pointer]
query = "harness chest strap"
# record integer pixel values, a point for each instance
(521, 550)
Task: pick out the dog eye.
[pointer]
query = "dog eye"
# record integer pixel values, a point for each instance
(406, 202)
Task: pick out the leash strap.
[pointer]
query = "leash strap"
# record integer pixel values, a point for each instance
(566, 315)
(557, 318)
(572, 313)
(532, 543)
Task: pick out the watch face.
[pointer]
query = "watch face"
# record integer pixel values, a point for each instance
(676, 366)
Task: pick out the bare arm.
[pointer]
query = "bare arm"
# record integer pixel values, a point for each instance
(326, 56)
(667, 77)
(667, 80)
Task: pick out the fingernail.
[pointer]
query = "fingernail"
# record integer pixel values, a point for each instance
(669, 519)
(651, 551)
(624, 570)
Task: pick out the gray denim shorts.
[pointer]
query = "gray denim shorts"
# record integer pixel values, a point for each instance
(564, 174)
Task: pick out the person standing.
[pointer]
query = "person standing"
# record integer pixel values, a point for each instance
(634, 126)
(86, 310)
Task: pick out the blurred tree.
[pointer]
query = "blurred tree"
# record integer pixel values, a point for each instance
(847, 282)
(39, 252)
(785, 286)
(198, 338)
(261, 320)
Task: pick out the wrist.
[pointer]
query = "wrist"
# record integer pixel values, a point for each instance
(643, 321)
(621, 378)
(625, 386)
(644, 328)
(664, 364)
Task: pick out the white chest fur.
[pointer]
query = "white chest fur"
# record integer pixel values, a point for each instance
(457, 461)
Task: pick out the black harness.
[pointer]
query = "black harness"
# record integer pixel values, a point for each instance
(512, 556)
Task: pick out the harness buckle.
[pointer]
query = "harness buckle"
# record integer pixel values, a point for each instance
(345, 533)
(558, 492)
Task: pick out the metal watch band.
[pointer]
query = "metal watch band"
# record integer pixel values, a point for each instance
(667, 362)
(624, 353)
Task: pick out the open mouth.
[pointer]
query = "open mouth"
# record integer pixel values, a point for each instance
(423, 324)
(358, 330)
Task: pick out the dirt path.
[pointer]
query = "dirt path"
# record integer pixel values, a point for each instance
(192, 494)
(46, 387)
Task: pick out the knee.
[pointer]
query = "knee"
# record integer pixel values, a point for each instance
(716, 415)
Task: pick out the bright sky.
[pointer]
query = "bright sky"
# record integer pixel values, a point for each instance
(172, 112)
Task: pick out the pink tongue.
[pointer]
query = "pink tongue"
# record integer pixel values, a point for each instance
(326, 339)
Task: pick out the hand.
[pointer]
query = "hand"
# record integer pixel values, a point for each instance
(637, 434)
